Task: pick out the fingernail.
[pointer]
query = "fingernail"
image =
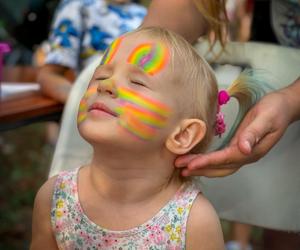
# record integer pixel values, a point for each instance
(179, 164)
(185, 172)
(248, 146)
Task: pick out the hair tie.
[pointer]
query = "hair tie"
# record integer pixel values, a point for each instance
(223, 97)
(220, 126)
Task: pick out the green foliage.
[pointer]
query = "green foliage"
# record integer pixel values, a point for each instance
(24, 162)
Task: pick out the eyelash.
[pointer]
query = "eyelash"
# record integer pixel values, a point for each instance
(133, 82)
(101, 78)
(138, 83)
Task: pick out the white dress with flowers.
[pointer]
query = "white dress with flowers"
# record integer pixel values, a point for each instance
(74, 230)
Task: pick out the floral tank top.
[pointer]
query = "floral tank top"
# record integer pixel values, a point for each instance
(74, 230)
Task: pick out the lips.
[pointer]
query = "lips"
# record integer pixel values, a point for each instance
(98, 106)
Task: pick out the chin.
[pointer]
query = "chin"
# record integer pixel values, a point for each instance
(96, 133)
(116, 139)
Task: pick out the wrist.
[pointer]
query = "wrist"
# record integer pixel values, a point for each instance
(292, 96)
(63, 92)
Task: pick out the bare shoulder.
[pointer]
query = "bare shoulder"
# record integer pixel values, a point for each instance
(204, 230)
(47, 188)
(43, 197)
(41, 218)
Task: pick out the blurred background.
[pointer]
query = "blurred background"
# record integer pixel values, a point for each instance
(24, 154)
(25, 24)
(26, 151)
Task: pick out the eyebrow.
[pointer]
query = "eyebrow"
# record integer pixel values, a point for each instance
(140, 72)
(109, 66)
(137, 69)
(103, 68)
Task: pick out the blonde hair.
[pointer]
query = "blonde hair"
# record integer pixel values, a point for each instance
(215, 14)
(250, 86)
(198, 84)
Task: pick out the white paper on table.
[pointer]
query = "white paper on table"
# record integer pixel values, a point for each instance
(9, 89)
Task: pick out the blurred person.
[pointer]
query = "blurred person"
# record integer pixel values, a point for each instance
(241, 237)
(80, 31)
(242, 20)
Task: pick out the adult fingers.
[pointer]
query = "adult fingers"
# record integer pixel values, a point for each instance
(210, 172)
(227, 156)
(253, 133)
(184, 160)
(263, 145)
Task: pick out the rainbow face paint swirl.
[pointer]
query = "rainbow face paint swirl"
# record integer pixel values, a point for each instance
(111, 51)
(151, 57)
(140, 115)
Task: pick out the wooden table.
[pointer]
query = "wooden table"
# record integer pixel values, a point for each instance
(25, 108)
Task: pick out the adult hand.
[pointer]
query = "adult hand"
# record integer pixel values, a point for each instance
(259, 131)
(56, 81)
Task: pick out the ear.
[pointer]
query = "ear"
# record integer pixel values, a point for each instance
(185, 136)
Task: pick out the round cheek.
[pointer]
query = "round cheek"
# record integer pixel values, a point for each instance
(136, 127)
(82, 112)
(83, 106)
(92, 90)
(141, 122)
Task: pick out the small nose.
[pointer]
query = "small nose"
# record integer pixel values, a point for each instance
(107, 86)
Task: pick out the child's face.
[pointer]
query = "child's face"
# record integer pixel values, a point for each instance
(131, 95)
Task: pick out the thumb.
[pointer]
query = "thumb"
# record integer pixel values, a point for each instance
(252, 134)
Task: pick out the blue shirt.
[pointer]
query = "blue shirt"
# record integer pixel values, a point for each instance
(286, 21)
(84, 28)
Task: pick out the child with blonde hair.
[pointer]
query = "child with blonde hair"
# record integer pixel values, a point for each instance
(151, 99)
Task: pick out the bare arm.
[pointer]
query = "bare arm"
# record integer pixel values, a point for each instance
(180, 16)
(56, 81)
(259, 131)
(204, 231)
(292, 93)
(42, 235)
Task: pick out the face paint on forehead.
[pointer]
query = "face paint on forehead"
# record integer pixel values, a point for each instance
(111, 51)
(151, 57)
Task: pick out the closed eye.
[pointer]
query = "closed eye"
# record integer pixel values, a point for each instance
(103, 72)
(101, 78)
(138, 83)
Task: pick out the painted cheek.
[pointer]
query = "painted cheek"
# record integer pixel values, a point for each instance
(135, 127)
(140, 115)
(83, 106)
(82, 113)
(90, 91)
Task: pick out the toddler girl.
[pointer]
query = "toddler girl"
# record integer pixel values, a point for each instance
(151, 99)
